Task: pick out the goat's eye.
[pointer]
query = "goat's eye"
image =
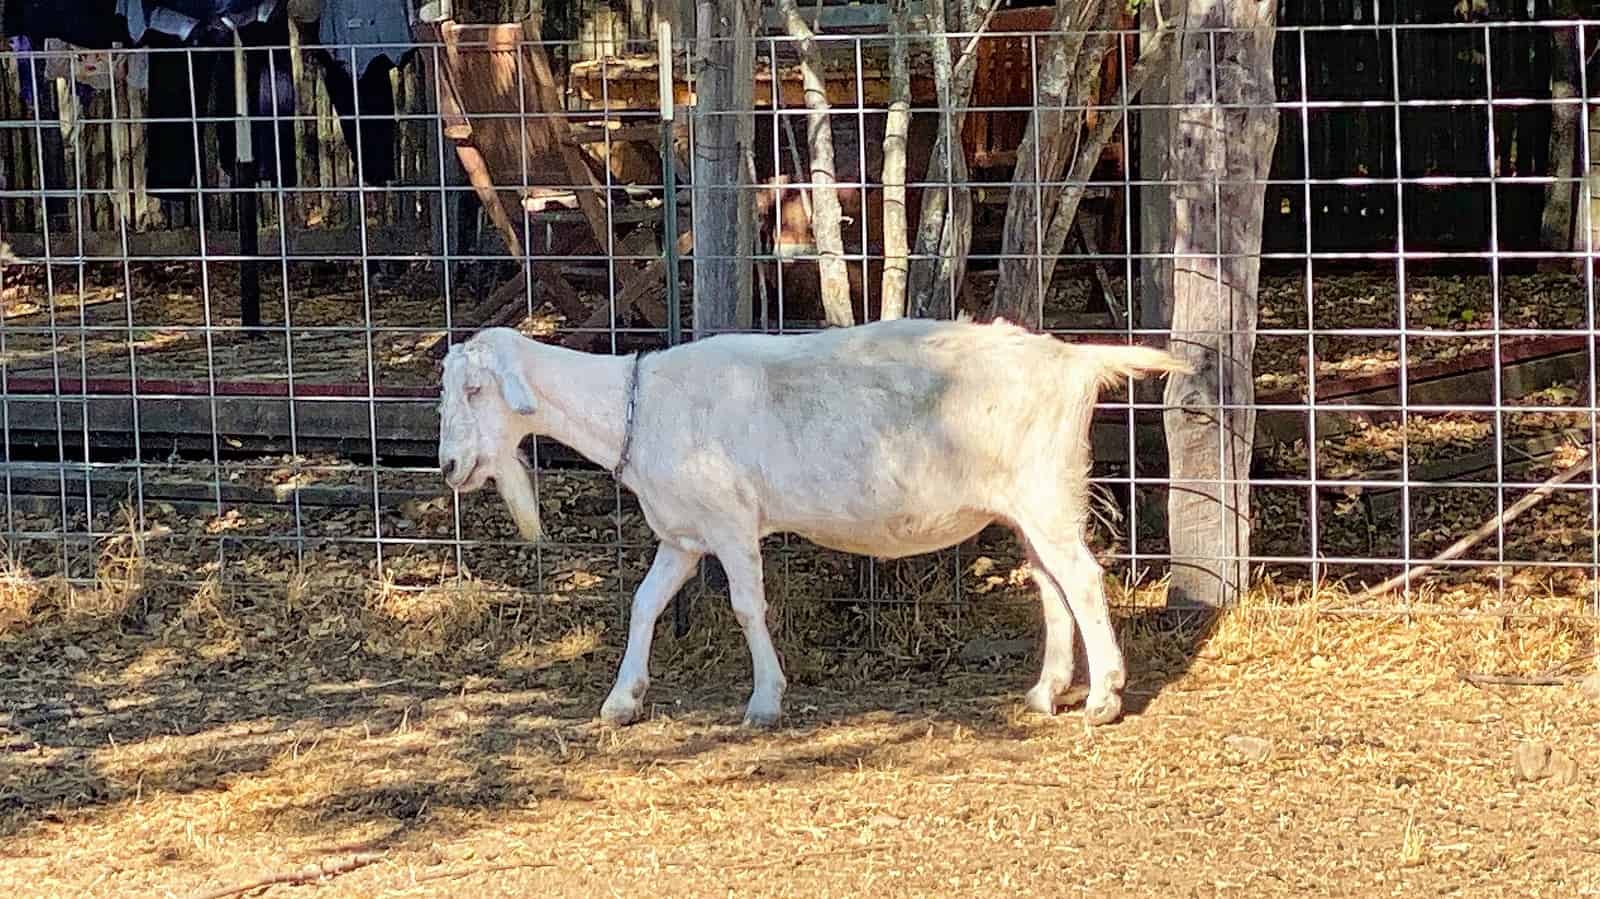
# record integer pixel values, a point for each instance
(472, 390)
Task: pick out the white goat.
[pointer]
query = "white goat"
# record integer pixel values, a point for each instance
(889, 440)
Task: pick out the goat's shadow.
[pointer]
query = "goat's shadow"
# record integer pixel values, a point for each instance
(219, 717)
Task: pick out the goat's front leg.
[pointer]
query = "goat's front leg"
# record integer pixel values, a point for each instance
(747, 591)
(667, 573)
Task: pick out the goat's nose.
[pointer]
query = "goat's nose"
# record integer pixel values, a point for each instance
(449, 468)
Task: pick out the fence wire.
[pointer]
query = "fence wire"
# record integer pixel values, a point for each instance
(231, 384)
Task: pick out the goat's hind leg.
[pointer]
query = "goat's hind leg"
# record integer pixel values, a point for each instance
(668, 571)
(1066, 560)
(1060, 637)
(747, 592)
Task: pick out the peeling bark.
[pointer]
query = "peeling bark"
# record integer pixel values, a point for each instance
(944, 230)
(896, 244)
(1068, 80)
(1220, 161)
(723, 209)
(1556, 225)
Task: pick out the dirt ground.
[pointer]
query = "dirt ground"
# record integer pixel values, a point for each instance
(1273, 751)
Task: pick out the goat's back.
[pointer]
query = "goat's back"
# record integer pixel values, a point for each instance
(850, 423)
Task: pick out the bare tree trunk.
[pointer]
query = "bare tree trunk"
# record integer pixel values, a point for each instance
(1021, 298)
(1155, 209)
(1220, 161)
(122, 153)
(145, 206)
(305, 130)
(1068, 80)
(896, 246)
(944, 230)
(327, 130)
(724, 215)
(826, 216)
(1557, 224)
(1153, 60)
(924, 271)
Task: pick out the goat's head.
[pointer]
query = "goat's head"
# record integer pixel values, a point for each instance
(485, 409)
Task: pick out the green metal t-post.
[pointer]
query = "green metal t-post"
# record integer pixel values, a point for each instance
(669, 238)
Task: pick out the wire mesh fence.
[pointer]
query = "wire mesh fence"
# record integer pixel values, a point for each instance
(220, 370)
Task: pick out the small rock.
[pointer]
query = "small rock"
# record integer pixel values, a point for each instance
(1532, 760)
(1590, 687)
(1251, 749)
(884, 821)
(1563, 769)
(75, 654)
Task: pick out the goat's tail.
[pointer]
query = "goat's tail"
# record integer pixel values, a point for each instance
(1113, 363)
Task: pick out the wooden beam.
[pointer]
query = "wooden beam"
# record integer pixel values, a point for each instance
(184, 243)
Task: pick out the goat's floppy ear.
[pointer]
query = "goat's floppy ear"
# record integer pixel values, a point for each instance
(501, 359)
(514, 387)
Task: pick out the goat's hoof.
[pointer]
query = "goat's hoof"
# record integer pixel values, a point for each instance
(764, 719)
(1047, 698)
(1103, 710)
(1042, 699)
(621, 711)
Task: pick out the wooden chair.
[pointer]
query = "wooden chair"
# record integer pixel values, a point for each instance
(501, 106)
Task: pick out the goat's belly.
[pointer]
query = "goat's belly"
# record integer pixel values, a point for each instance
(898, 536)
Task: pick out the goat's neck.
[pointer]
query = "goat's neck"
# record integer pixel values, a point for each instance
(584, 398)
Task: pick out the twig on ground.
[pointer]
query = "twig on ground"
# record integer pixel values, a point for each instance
(308, 874)
(48, 715)
(796, 861)
(486, 869)
(1514, 680)
(1492, 526)
(999, 781)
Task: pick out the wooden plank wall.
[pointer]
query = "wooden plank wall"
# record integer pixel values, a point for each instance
(1454, 64)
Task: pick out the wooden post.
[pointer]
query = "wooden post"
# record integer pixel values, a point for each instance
(1220, 161)
(723, 207)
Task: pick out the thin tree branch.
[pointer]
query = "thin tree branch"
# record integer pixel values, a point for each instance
(1483, 531)
(1513, 680)
(486, 869)
(896, 241)
(308, 874)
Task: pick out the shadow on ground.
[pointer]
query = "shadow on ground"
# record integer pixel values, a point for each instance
(325, 738)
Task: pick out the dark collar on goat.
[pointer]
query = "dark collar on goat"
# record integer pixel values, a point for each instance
(628, 416)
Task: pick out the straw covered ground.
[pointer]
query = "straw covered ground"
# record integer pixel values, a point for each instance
(170, 741)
